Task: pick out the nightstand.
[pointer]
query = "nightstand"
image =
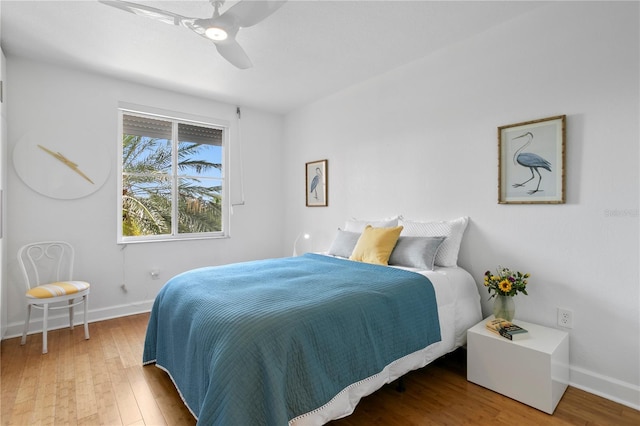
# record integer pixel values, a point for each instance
(534, 370)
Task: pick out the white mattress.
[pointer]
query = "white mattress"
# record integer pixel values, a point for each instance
(458, 310)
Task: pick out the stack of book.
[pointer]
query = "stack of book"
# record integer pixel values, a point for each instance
(507, 329)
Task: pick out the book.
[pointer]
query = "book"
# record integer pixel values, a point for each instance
(507, 329)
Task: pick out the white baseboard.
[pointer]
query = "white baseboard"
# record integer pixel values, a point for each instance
(588, 381)
(606, 387)
(61, 318)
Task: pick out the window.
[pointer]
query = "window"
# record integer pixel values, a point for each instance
(172, 178)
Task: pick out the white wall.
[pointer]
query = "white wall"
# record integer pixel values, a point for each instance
(40, 93)
(421, 141)
(3, 174)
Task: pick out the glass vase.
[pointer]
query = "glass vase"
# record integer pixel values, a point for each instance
(504, 307)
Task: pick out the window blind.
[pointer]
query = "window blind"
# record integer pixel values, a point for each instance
(161, 129)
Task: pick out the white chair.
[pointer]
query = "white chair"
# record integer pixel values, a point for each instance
(47, 268)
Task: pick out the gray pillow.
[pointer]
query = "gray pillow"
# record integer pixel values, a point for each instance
(416, 252)
(344, 243)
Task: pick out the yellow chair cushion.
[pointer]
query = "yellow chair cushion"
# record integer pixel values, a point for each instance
(376, 244)
(61, 288)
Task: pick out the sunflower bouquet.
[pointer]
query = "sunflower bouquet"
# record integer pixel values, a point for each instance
(505, 282)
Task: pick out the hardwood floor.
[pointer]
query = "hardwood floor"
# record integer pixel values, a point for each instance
(101, 382)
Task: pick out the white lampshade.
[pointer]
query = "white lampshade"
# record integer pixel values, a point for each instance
(295, 243)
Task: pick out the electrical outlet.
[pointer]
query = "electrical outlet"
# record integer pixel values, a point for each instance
(565, 318)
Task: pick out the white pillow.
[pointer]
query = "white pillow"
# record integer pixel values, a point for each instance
(452, 230)
(358, 225)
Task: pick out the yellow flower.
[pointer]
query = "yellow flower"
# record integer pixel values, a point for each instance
(505, 286)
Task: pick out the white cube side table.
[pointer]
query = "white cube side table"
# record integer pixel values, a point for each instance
(534, 370)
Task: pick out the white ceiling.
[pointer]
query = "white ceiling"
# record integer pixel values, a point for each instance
(307, 50)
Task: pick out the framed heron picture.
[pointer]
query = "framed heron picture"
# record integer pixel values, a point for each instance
(531, 161)
(316, 183)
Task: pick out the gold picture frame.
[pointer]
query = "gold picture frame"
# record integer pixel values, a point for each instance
(316, 183)
(531, 162)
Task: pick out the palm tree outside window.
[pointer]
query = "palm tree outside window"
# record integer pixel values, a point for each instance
(172, 178)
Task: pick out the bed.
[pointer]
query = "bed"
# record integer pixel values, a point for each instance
(301, 340)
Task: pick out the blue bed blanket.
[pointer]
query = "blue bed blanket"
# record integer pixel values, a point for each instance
(260, 343)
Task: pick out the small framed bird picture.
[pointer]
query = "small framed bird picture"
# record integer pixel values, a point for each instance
(531, 161)
(316, 183)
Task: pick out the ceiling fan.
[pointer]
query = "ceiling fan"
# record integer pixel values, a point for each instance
(220, 28)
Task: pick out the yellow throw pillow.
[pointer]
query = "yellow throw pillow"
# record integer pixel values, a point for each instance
(376, 244)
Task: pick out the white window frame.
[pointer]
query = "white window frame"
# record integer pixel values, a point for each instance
(160, 114)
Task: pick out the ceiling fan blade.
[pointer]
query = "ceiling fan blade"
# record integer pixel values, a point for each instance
(250, 12)
(146, 11)
(234, 53)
